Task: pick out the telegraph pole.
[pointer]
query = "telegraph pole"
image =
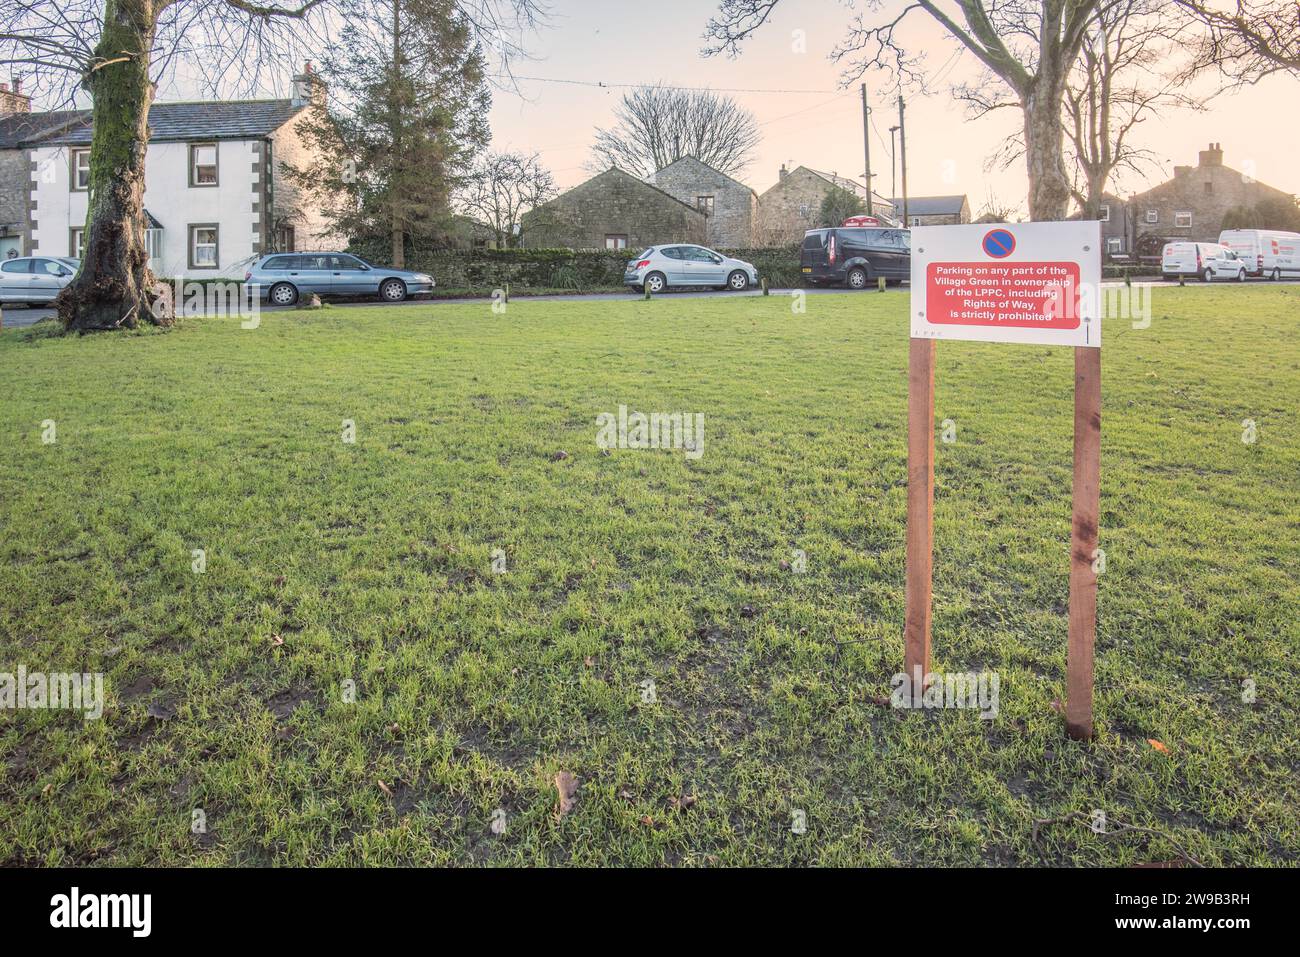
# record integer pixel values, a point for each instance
(866, 144)
(893, 162)
(902, 151)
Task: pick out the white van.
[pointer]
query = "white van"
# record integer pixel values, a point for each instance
(1266, 252)
(1207, 260)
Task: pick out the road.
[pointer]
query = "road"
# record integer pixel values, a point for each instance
(18, 316)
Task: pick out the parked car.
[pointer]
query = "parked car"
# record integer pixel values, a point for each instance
(37, 279)
(284, 277)
(1266, 252)
(1209, 261)
(856, 257)
(681, 264)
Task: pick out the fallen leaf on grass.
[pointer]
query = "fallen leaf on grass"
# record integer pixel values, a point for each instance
(1158, 745)
(566, 785)
(161, 711)
(647, 820)
(384, 787)
(276, 641)
(881, 700)
(681, 803)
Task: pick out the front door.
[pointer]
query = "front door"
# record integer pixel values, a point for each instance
(349, 277)
(704, 268)
(15, 280)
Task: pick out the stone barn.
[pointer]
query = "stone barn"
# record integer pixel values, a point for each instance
(614, 210)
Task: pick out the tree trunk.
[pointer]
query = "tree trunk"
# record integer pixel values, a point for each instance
(111, 289)
(395, 130)
(1049, 184)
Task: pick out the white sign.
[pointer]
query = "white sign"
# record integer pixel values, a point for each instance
(1033, 283)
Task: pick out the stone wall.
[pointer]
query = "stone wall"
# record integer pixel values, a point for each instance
(790, 208)
(15, 181)
(731, 222)
(614, 203)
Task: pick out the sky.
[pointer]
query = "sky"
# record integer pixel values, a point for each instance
(596, 41)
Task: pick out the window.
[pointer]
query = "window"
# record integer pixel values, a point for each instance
(315, 262)
(346, 262)
(50, 267)
(203, 246)
(279, 262)
(698, 254)
(1183, 220)
(916, 221)
(1103, 213)
(672, 252)
(203, 164)
(16, 265)
(1114, 245)
(1153, 215)
(153, 243)
(804, 210)
(704, 204)
(1209, 187)
(615, 241)
(77, 242)
(80, 178)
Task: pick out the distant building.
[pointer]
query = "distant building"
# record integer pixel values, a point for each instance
(791, 207)
(934, 210)
(1191, 206)
(729, 205)
(19, 128)
(613, 210)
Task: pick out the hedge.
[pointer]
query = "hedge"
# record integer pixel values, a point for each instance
(578, 270)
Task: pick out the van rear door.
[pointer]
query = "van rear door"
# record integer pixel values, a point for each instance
(812, 256)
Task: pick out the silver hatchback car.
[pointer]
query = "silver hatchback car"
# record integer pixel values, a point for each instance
(284, 277)
(680, 264)
(35, 278)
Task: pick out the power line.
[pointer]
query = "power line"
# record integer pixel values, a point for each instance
(600, 84)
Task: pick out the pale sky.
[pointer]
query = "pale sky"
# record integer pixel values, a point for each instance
(599, 41)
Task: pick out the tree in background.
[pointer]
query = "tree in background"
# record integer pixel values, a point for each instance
(1246, 40)
(838, 205)
(1275, 213)
(1030, 46)
(501, 188)
(658, 125)
(410, 111)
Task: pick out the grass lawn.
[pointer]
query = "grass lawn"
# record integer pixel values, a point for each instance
(371, 562)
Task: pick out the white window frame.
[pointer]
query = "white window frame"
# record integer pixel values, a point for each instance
(1104, 213)
(195, 245)
(1179, 216)
(195, 165)
(153, 242)
(77, 242)
(1114, 245)
(74, 164)
(1153, 216)
(613, 240)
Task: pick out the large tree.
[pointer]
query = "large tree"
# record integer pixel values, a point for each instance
(1028, 45)
(410, 112)
(1246, 40)
(658, 125)
(118, 51)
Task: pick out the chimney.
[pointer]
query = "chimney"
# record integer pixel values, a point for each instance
(15, 100)
(784, 173)
(1211, 157)
(308, 87)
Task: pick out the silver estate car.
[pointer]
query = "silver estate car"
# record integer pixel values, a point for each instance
(35, 278)
(680, 264)
(283, 277)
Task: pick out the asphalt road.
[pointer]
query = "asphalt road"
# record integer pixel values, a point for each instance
(17, 316)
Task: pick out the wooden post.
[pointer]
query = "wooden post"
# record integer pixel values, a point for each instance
(920, 512)
(1083, 541)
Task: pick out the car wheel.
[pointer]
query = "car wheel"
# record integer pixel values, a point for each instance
(283, 294)
(857, 278)
(655, 283)
(392, 290)
(1241, 275)
(1208, 275)
(1276, 274)
(738, 281)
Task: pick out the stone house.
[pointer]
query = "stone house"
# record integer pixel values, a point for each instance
(791, 207)
(613, 210)
(1191, 206)
(216, 193)
(934, 210)
(729, 205)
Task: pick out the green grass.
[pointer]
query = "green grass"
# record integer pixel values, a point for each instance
(371, 563)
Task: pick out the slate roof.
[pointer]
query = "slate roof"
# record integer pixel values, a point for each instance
(931, 205)
(19, 128)
(200, 120)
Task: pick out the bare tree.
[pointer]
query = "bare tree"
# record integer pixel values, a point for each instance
(1116, 84)
(118, 51)
(658, 125)
(1028, 45)
(1248, 39)
(502, 187)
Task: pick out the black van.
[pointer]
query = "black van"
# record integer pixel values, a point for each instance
(856, 256)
